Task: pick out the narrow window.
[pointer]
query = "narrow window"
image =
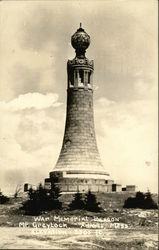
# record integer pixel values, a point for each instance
(81, 76)
(72, 78)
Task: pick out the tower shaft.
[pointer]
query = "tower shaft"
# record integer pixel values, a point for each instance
(79, 150)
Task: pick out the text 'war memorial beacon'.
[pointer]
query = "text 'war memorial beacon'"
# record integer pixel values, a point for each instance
(79, 167)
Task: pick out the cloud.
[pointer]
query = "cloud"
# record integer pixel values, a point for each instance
(126, 136)
(32, 100)
(25, 79)
(31, 131)
(35, 35)
(38, 130)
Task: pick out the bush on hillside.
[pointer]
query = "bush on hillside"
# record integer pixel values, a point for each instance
(141, 200)
(89, 203)
(77, 202)
(42, 200)
(3, 199)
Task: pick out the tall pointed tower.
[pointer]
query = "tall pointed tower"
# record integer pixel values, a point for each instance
(79, 167)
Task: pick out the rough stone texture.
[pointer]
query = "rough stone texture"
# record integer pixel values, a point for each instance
(82, 185)
(79, 149)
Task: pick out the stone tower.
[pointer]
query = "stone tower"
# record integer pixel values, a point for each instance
(79, 167)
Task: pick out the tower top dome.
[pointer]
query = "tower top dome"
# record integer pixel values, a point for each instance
(80, 41)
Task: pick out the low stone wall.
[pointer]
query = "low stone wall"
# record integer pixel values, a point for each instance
(82, 185)
(76, 187)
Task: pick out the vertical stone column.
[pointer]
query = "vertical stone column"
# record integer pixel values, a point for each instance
(84, 81)
(85, 78)
(74, 78)
(91, 79)
(77, 77)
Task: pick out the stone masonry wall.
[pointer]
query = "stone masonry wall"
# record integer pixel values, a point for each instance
(79, 149)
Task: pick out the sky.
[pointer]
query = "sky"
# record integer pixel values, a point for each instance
(34, 49)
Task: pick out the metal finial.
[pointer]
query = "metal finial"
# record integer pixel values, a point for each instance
(80, 25)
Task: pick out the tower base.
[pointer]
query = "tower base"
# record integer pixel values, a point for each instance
(80, 181)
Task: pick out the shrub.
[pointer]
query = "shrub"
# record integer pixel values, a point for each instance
(91, 203)
(42, 200)
(149, 202)
(3, 199)
(141, 200)
(77, 203)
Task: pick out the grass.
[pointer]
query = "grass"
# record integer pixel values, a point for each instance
(141, 233)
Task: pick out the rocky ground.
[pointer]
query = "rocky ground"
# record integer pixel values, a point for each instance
(112, 229)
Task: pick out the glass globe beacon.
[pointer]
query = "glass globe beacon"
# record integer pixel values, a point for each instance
(80, 40)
